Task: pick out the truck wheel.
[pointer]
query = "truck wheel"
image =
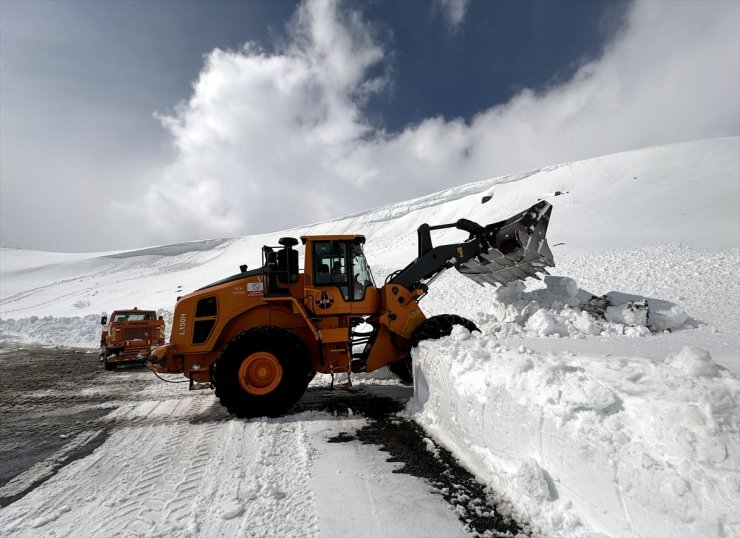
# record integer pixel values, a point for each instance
(108, 365)
(261, 372)
(432, 328)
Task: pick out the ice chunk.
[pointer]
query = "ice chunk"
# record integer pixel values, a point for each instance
(459, 333)
(561, 286)
(510, 292)
(664, 315)
(543, 323)
(694, 361)
(633, 314)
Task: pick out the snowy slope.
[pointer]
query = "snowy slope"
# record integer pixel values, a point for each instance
(681, 194)
(581, 424)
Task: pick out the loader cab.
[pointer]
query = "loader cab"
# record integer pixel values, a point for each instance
(337, 274)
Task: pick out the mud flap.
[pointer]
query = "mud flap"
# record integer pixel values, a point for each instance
(514, 249)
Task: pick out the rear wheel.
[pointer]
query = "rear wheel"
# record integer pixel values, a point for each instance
(432, 328)
(262, 372)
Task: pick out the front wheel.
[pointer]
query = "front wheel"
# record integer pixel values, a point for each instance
(262, 372)
(432, 328)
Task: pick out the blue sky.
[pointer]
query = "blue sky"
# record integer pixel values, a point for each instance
(215, 119)
(496, 50)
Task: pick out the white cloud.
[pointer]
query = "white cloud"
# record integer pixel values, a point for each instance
(274, 140)
(454, 11)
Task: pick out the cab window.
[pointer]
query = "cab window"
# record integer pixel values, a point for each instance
(330, 266)
(330, 262)
(133, 316)
(342, 264)
(362, 277)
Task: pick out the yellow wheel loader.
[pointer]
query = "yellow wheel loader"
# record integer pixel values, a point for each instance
(260, 336)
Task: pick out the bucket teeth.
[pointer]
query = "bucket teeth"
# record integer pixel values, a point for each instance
(530, 256)
(531, 272)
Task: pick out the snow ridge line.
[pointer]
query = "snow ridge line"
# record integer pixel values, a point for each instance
(399, 210)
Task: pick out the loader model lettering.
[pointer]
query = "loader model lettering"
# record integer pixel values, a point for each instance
(182, 323)
(238, 290)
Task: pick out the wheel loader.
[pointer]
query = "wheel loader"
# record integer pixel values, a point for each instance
(258, 337)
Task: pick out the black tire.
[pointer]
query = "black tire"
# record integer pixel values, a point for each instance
(432, 328)
(290, 385)
(108, 365)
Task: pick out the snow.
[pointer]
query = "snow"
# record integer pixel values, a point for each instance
(581, 442)
(619, 421)
(163, 476)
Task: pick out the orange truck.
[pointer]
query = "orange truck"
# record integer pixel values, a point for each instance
(129, 337)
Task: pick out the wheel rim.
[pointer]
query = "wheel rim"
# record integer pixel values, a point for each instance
(260, 373)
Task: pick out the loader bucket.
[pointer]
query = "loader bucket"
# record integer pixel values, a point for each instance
(513, 249)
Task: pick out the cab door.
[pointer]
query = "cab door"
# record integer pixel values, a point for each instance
(327, 291)
(339, 282)
(364, 295)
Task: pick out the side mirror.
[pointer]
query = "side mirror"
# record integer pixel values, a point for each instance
(104, 320)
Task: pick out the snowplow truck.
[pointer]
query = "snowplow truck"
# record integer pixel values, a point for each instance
(259, 337)
(130, 337)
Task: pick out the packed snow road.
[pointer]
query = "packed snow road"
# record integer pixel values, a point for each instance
(86, 452)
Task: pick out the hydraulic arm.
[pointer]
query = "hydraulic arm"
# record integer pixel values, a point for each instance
(499, 253)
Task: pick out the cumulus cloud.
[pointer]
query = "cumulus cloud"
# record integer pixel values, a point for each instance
(272, 140)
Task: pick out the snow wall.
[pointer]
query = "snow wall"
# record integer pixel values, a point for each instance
(585, 445)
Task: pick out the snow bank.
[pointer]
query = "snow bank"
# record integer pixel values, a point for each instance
(72, 331)
(623, 446)
(578, 443)
(75, 331)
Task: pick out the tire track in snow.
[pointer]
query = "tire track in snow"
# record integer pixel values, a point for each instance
(121, 490)
(160, 499)
(220, 502)
(281, 483)
(91, 486)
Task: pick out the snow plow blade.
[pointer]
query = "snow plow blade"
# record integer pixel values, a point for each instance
(512, 249)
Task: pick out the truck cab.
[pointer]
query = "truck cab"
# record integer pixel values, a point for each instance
(129, 336)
